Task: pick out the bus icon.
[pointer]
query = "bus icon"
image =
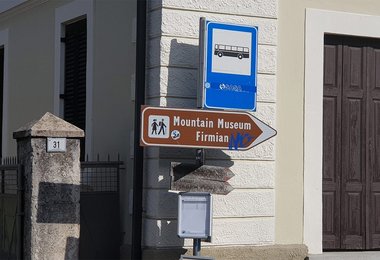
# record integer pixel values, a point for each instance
(231, 51)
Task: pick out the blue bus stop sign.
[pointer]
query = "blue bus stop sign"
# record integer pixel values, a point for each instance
(229, 71)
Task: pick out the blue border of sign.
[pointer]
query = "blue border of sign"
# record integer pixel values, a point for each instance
(241, 92)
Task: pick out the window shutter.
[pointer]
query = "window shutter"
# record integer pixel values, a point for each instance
(75, 75)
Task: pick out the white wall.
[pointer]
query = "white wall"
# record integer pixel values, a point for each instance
(246, 215)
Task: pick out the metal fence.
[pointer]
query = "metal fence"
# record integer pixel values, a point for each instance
(100, 234)
(100, 176)
(100, 210)
(11, 209)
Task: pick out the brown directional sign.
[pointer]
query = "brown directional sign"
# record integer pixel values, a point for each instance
(195, 128)
(205, 178)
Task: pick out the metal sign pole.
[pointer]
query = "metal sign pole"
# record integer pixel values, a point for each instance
(195, 218)
(196, 247)
(200, 157)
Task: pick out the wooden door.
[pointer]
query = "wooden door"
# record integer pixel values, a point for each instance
(351, 155)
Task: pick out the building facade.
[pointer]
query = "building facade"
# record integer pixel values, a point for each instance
(335, 149)
(314, 185)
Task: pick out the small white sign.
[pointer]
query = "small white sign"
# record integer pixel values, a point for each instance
(55, 145)
(194, 215)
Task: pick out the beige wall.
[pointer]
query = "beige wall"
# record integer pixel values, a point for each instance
(290, 110)
(31, 45)
(32, 32)
(31, 35)
(113, 101)
(114, 68)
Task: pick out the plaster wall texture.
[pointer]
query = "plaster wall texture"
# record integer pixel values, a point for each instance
(246, 216)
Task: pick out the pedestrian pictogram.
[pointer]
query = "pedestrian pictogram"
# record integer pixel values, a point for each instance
(158, 126)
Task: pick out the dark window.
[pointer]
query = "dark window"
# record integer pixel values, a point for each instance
(74, 105)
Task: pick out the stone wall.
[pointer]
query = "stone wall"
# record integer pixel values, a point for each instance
(52, 188)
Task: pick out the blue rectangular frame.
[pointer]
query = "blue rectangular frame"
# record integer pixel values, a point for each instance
(229, 91)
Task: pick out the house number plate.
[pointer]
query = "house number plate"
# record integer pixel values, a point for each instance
(55, 145)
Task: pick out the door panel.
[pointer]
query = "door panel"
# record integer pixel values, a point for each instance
(353, 155)
(331, 149)
(373, 163)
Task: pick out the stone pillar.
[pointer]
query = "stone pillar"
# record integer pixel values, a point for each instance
(52, 187)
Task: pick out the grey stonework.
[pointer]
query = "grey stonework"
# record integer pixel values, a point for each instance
(272, 252)
(52, 189)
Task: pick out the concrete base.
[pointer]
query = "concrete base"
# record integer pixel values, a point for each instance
(369, 255)
(273, 252)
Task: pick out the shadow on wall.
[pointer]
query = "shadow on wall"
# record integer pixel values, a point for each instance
(182, 83)
(182, 87)
(58, 203)
(72, 245)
